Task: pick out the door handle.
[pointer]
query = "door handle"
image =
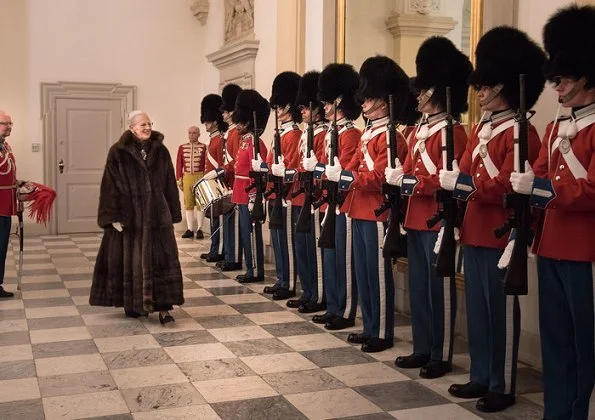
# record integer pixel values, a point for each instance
(61, 166)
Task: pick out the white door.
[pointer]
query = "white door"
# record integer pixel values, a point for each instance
(85, 130)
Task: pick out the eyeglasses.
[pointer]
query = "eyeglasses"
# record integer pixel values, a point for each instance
(7, 123)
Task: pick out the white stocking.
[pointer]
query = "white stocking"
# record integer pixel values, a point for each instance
(199, 217)
(190, 220)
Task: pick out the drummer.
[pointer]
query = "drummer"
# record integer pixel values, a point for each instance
(212, 117)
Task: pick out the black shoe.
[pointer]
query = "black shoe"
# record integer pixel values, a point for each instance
(324, 318)
(164, 319)
(271, 289)
(250, 279)
(468, 390)
(282, 294)
(358, 338)
(215, 258)
(435, 369)
(311, 307)
(375, 345)
(199, 234)
(413, 361)
(5, 294)
(133, 314)
(296, 303)
(230, 266)
(204, 256)
(187, 234)
(339, 323)
(493, 402)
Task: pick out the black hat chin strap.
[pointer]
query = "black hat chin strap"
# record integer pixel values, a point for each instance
(495, 91)
(578, 86)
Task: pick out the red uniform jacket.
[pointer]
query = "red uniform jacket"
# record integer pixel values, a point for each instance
(319, 133)
(485, 211)
(366, 189)
(570, 216)
(422, 203)
(243, 166)
(214, 158)
(8, 181)
(232, 144)
(290, 140)
(191, 158)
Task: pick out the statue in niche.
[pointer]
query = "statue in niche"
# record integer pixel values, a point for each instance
(239, 18)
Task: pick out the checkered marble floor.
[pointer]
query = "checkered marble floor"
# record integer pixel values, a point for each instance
(231, 354)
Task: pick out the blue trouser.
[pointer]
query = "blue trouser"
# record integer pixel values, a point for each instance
(305, 256)
(374, 280)
(432, 310)
(5, 224)
(246, 232)
(339, 275)
(490, 314)
(566, 328)
(283, 246)
(232, 245)
(215, 224)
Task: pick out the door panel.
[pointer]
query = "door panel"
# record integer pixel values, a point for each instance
(85, 129)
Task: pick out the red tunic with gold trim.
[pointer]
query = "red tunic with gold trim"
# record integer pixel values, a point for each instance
(8, 181)
(319, 134)
(290, 139)
(243, 166)
(421, 168)
(214, 157)
(487, 163)
(570, 211)
(232, 144)
(368, 165)
(190, 159)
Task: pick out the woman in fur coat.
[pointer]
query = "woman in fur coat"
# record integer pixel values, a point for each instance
(137, 265)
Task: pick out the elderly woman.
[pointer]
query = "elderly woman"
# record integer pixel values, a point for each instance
(137, 266)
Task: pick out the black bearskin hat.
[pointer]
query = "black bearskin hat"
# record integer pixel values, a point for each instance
(229, 95)
(440, 64)
(340, 80)
(568, 40)
(501, 55)
(210, 110)
(247, 102)
(410, 115)
(380, 77)
(307, 92)
(283, 92)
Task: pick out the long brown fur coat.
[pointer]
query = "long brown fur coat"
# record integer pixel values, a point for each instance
(139, 268)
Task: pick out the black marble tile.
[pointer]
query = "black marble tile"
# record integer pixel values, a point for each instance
(205, 370)
(338, 357)
(258, 409)
(258, 347)
(28, 287)
(193, 264)
(184, 338)
(55, 322)
(207, 276)
(375, 416)
(14, 338)
(12, 314)
(80, 291)
(17, 370)
(231, 290)
(202, 301)
(22, 410)
(292, 328)
(224, 321)
(161, 397)
(528, 381)
(47, 302)
(76, 383)
(38, 272)
(77, 277)
(134, 327)
(400, 395)
(64, 348)
(258, 307)
(136, 358)
(127, 416)
(522, 410)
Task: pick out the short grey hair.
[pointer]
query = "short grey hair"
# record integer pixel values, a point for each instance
(132, 116)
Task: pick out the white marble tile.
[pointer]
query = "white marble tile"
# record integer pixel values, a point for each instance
(247, 298)
(53, 251)
(332, 404)
(78, 406)
(44, 278)
(12, 325)
(73, 284)
(275, 363)
(59, 334)
(217, 283)
(9, 305)
(232, 389)
(188, 293)
(202, 412)
(193, 353)
(441, 385)
(365, 374)
(313, 342)
(537, 398)
(14, 353)
(239, 333)
(181, 324)
(107, 318)
(44, 294)
(139, 377)
(132, 342)
(38, 266)
(442, 412)
(276, 317)
(401, 348)
(198, 270)
(69, 364)
(28, 389)
(51, 311)
(75, 270)
(209, 310)
(80, 300)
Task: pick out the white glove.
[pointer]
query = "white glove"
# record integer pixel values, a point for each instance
(523, 183)
(118, 226)
(256, 164)
(448, 179)
(333, 172)
(505, 257)
(211, 175)
(309, 163)
(394, 176)
(278, 169)
(457, 234)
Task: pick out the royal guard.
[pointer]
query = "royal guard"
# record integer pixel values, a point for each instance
(432, 299)
(212, 117)
(337, 86)
(248, 102)
(481, 180)
(282, 100)
(561, 184)
(363, 176)
(190, 167)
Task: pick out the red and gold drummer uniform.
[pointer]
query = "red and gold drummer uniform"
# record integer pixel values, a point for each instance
(242, 168)
(8, 181)
(190, 166)
(215, 157)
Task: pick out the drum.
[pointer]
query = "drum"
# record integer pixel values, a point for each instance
(212, 196)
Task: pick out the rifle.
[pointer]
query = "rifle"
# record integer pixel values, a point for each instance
(447, 206)
(327, 233)
(516, 277)
(276, 216)
(258, 213)
(392, 195)
(304, 221)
